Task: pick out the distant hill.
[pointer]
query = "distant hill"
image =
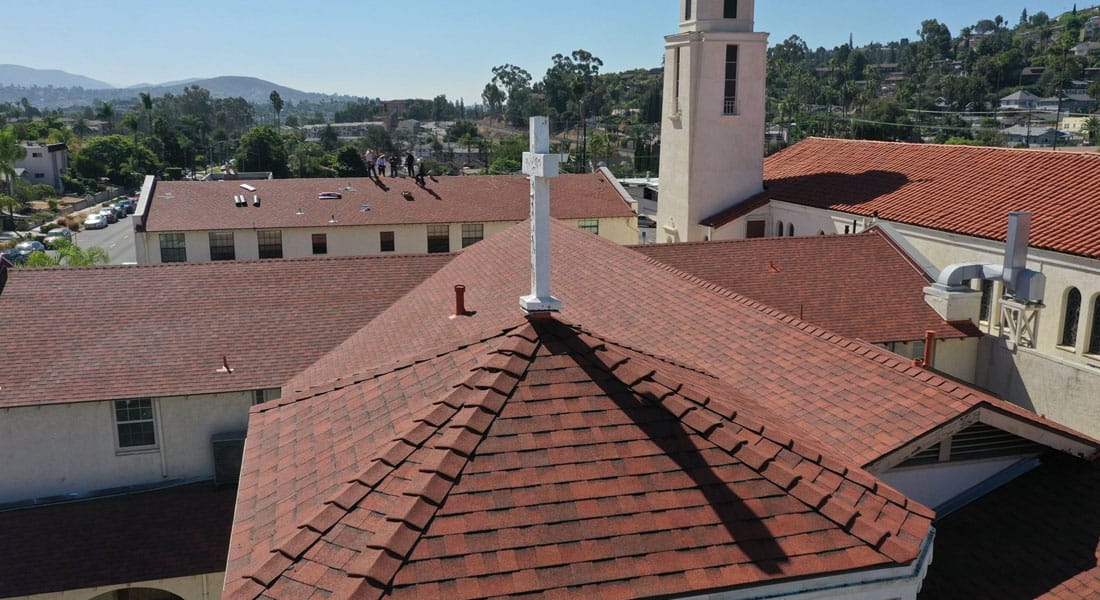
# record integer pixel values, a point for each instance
(57, 89)
(27, 77)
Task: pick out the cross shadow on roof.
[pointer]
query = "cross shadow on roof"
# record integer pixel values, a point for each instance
(682, 445)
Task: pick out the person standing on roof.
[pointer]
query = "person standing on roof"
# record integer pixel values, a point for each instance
(420, 175)
(410, 164)
(380, 164)
(395, 164)
(368, 158)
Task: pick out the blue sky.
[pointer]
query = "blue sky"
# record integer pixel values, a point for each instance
(416, 48)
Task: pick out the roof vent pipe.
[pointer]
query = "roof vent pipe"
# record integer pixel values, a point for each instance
(1021, 283)
(540, 166)
(460, 300)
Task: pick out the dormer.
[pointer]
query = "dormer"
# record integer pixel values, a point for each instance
(716, 15)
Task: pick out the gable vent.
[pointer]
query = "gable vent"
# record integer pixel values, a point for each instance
(982, 441)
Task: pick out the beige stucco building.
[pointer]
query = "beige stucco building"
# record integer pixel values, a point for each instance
(294, 218)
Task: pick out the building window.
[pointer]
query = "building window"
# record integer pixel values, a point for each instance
(790, 229)
(676, 79)
(265, 395)
(221, 245)
(1094, 329)
(134, 421)
(385, 241)
(39, 175)
(439, 238)
(730, 9)
(36, 154)
(472, 233)
(173, 248)
(987, 301)
(729, 103)
(1070, 316)
(590, 225)
(756, 228)
(687, 9)
(779, 228)
(270, 243)
(320, 243)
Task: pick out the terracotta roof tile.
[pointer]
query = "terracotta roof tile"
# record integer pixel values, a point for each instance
(822, 279)
(207, 310)
(963, 189)
(203, 205)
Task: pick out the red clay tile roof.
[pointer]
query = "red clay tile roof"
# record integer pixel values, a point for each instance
(135, 537)
(860, 400)
(205, 205)
(547, 461)
(83, 334)
(1036, 537)
(962, 189)
(824, 280)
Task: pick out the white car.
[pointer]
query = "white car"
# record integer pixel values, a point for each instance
(95, 221)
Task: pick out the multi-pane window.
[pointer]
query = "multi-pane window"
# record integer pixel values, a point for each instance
(730, 9)
(134, 420)
(439, 238)
(729, 102)
(1070, 316)
(472, 233)
(270, 243)
(1094, 329)
(755, 228)
(589, 225)
(385, 241)
(676, 78)
(221, 245)
(173, 248)
(320, 243)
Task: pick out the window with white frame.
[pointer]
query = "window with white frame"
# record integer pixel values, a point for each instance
(134, 423)
(590, 225)
(439, 238)
(729, 102)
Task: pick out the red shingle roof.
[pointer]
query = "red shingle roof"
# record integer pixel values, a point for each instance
(200, 206)
(108, 541)
(962, 189)
(1036, 537)
(547, 461)
(82, 334)
(857, 398)
(823, 279)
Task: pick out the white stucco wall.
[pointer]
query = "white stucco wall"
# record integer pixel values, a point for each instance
(196, 587)
(355, 241)
(72, 448)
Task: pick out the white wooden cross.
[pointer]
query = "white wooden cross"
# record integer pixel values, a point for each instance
(540, 165)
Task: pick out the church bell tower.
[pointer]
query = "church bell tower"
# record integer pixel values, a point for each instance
(712, 119)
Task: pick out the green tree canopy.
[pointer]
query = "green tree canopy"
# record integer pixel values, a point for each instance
(263, 149)
(116, 158)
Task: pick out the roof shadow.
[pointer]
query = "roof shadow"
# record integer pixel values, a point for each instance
(676, 441)
(831, 188)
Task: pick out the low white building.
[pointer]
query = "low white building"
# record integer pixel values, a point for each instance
(44, 164)
(291, 218)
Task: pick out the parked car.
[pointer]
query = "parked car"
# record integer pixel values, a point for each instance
(646, 222)
(95, 221)
(58, 233)
(109, 214)
(129, 204)
(28, 248)
(13, 256)
(120, 210)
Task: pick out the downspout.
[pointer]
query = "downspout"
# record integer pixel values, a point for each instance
(160, 436)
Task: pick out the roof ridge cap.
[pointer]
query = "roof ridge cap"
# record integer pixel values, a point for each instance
(398, 364)
(469, 410)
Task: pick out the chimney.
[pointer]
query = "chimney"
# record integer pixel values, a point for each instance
(540, 166)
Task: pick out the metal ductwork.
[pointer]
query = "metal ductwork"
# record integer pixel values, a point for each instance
(1021, 283)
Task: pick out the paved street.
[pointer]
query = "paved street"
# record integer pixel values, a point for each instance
(117, 239)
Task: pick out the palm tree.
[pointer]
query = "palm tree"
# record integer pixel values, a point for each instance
(277, 104)
(10, 152)
(68, 255)
(106, 112)
(147, 106)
